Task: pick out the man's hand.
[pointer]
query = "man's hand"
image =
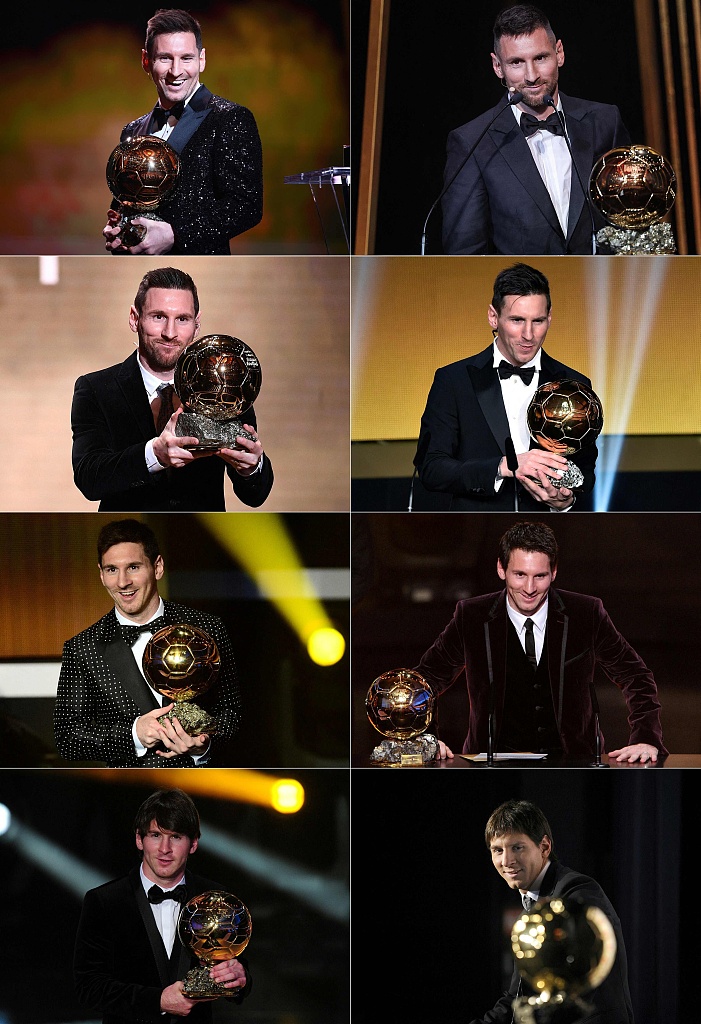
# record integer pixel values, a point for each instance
(245, 459)
(168, 446)
(149, 729)
(177, 741)
(159, 237)
(534, 468)
(230, 973)
(642, 752)
(443, 752)
(174, 1001)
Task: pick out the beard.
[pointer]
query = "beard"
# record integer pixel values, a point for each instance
(536, 102)
(158, 359)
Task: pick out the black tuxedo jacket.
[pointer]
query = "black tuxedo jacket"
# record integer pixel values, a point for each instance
(499, 204)
(112, 421)
(120, 962)
(463, 430)
(220, 189)
(101, 692)
(611, 1000)
(580, 636)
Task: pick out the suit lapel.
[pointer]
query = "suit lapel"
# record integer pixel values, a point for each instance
(194, 114)
(131, 384)
(141, 126)
(513, 148)
(495, 642)
(488, 393)
(582, 144)
(558, 627)
(122, 664)
(154, 936)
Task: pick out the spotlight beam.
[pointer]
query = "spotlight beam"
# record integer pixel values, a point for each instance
(72, 873)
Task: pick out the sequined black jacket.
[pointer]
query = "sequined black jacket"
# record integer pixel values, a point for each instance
(220, 190)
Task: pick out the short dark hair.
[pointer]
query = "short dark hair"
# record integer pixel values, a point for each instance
(518, 816)
(520, 20)
(128, 531)
(171, 809)
(166, 277)
(171, 19)
(528, 536)
(519, 279)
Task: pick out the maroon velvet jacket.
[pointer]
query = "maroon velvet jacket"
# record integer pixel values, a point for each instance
(580, 635)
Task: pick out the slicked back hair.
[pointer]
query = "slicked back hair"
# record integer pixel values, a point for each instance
(127, 531)
(169, 278)
(519, 279)
(168, 20)
(520, 20)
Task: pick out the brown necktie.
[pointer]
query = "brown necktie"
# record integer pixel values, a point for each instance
(163, 406)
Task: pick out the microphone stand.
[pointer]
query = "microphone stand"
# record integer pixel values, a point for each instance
(549, 103)
(512, 463)
(597, 762)
(513, 97)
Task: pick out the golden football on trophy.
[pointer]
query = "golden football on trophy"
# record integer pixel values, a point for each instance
(215, 926)
(634, 188)
(181, 662)
(563, 417)
(217, 379)
(141, 172)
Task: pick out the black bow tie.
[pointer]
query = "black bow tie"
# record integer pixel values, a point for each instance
(531, 124)
(131, 633)
(160, 115)
(506, 370)
(158, 895)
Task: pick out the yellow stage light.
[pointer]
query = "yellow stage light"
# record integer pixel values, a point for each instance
(287, 796)
(326, 646)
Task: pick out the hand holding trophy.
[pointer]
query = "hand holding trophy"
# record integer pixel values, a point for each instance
(141, 172)
(563, 949)
(180, 662)
(215, 926)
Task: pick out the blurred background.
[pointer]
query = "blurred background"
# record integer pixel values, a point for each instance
(420, 70)
(64, 833)
(75, 80)
(279, 582)
(623, 322)
(436, 917)
(70, 316)
(409, 572)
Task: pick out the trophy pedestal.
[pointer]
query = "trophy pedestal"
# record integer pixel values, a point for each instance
(657, 240)
(213, 435)
(558, 1010)
(130, 233)
(197, 984)
(192, 718)
(406, 753)
(573, 477)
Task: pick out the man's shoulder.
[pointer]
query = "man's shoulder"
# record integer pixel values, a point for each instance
(483, 606)
(577, 107)
(193, 616)
(460, 365)
(555, 369)
(571, 601)
(479, 123)
(91, 633)
(114, 889)
(101, 377)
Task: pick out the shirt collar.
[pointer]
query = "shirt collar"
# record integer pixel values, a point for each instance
(539, 618)
(151, 383)
(124, 621)
(147, 883)
(534, 891)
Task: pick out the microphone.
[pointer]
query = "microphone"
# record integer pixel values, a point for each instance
(512, 464)
(597, 762)
(512, 98)
(548, 100)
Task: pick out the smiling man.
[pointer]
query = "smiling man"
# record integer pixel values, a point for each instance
(106, 711)
(129, 963)
(520, 841)
(477, 403)
(529, 655)
(126, 454)
(219, 193)
(518, 192)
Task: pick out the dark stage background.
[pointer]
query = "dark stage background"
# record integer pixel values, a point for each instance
(409, 571)
(295, 712)
(439, 75)
(298, 952)
(434, 917)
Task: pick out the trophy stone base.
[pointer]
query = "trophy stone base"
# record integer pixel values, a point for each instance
(212, 434)
(657, 240)
(573, 477)
(192, 718)
(197, 984)
(558, 1010)
(130, 233)
(406, 753)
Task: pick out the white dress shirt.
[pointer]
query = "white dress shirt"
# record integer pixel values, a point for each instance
(539, 619)
(554, 163)
(165, 914)
(534, 891)
(517, 395)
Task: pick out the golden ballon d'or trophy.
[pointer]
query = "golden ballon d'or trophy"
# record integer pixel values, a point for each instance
(181, 662)
(633, 188)
(141, 172)
(563, 949)
(214, 926)
(563, 417)
(217, 379)
(400, 705)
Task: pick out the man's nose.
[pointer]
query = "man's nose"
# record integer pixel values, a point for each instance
(124, 578)
(532, 73)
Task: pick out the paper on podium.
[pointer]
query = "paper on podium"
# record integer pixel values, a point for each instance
(523, 755)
